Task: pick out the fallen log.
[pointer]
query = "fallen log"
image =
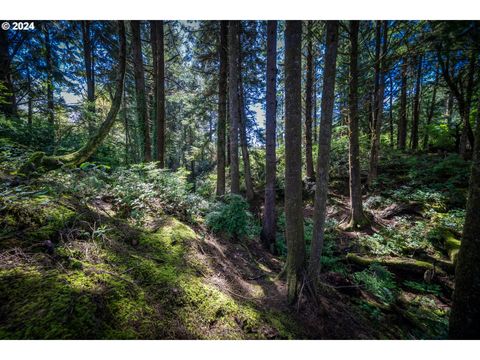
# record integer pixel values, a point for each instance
(398, 264)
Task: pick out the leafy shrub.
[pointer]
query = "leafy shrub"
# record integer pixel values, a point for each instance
(145, 186)
(379, 281)
(206, 186)
(231, 216)
(403, 239)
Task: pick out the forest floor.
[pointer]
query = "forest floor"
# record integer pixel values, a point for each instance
(74, 266)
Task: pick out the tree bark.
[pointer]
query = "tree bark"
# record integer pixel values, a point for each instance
(160, 93)
(357, 217)
(308, 105)
(323, 156)
(431, 110)
(49, 70)
(247, 174)
(141, 98)
(269, 220)
(30, 99)
(402, 120)
(242, 122)
(293, 159)
(39, 160)
(390, 110)
(380, 68)
(153, 95)
(416, 104)
(234, 106)
(465, 315)
(89, 73)
(222, 106)
(466, 128)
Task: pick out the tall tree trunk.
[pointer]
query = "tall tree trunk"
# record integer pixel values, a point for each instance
(402, 120)
(243, 142)
(390, 110)
(449, 108)
(357, 217)
(141, 98)
(127, 127)
(243, 128)
(89, 73)
(308, 105)
(465, 113)
(49, 70)
(293, 159)
(465, 315)
(380, 68)
(84, 153)
(416, 104)
(154, 91)
(222, 107)
(269, 221)
(323, 156)
(315, 125)
(160, 93)
(233, 86)
(30, 99)
(431, 110)
(7, 95)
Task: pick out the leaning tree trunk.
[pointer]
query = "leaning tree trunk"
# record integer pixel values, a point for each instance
(269, 224)
(380, 65)
(233, 79)
(416, 104)
(402, 120)
(323, 156)
(293, 159)
(39, 160)
(141, 98)
(89, 73)
(357, 217)
(465, 316)
(222, 107)
(308, 105)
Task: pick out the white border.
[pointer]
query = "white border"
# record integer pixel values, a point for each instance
(241, 350)
(239, 9)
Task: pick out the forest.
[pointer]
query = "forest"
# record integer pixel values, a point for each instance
(234, 179)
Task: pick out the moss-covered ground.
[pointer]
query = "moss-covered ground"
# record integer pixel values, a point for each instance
(88, 255)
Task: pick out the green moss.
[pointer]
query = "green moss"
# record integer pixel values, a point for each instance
(147, 291)
(77, 305)
(41, 215)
